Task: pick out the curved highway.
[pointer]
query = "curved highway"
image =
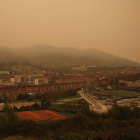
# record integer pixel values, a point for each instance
(94, 104)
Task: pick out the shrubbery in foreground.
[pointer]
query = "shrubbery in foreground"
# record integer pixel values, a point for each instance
(118, 124)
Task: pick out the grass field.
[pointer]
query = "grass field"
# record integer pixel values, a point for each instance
(57, 107)
(66, 110)
(69, 108)
(122, 93)
(79, 101)
(70, 97)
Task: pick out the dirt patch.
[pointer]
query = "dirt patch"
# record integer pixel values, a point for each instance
(18, 105)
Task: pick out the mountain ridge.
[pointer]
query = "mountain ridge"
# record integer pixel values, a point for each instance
(45, 54)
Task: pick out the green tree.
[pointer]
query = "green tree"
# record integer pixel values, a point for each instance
(9, 114)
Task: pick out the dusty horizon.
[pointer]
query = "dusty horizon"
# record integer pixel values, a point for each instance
(110, 26)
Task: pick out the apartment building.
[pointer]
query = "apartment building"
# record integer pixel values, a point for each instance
(41, 81)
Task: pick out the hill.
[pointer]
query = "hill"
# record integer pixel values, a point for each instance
(10, 54)
(48, 55)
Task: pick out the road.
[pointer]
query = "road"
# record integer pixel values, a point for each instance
(94, 104)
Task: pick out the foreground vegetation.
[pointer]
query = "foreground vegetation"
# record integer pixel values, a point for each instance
(118, 124)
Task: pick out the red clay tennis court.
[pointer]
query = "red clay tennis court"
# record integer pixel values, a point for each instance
(40, 115)
(49, 115)
(28, 115)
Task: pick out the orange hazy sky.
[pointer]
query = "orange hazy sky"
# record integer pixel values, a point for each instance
(109, 25)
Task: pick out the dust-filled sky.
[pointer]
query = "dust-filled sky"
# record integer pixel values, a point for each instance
(109, 25)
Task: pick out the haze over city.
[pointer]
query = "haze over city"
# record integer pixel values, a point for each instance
(111, 26)
(70, 69)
